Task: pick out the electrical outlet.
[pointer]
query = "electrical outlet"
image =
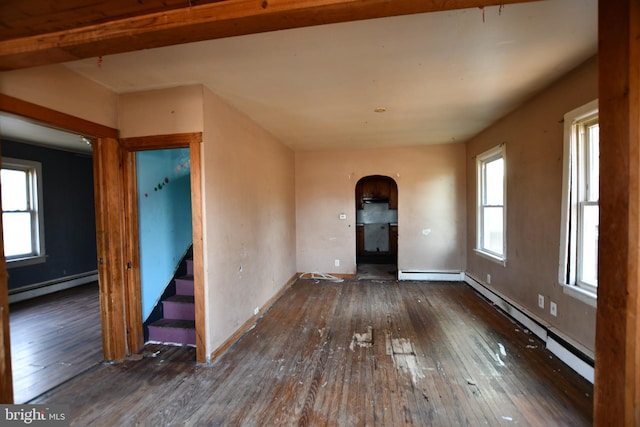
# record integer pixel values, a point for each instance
(540, 301)
(337, 263)
(488, 279)
(553, 308)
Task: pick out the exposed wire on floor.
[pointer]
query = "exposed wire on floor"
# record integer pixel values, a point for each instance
(321, 276)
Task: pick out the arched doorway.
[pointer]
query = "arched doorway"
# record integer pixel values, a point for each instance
(376, 198)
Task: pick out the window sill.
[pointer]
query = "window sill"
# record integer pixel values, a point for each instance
(21, 262)
(580, 294)
(489, 256)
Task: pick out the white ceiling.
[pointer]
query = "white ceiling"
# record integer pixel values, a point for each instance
(17, 129)
(442, 77)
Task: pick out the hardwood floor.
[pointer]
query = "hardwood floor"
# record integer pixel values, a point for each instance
(54, 338)
(351, 353)
(377, 271)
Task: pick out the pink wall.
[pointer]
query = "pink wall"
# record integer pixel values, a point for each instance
(431, 206)
(60, 89)
(534, 148)
(248, 200)
(249, 217)
(161, 112)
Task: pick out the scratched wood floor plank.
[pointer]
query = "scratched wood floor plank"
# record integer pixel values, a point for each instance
(457, 361)
(54, 338)
(452, 364)
(487, 352)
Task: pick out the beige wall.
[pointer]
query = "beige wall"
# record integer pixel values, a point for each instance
(249, 211)
(534, 148)
(248, 182)
(62, 90)
(161, 112)
(431, 206)
(248, 199)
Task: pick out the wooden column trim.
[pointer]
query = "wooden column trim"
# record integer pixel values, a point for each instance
(161, 142)
(195, 152)
(617, 373)
(131, 242)
(6, 376)
(107, 180)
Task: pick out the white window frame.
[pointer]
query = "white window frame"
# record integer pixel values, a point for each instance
(482, 159)
(34, 170)
(571, 204)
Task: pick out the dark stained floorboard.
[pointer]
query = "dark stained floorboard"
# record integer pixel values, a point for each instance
(54, 338)
(441, 355)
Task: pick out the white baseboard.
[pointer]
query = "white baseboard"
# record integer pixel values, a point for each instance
(577, 359)
(536, 326)
(576, 363)
(50, 287)
(431, 276)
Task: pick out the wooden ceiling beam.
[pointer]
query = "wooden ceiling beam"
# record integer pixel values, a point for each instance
(207, 21)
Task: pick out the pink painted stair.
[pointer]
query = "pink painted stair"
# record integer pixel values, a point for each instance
(178, 323)
(184, 285)
(173, 331)
(179, 307)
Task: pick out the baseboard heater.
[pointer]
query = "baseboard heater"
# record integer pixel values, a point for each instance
(51, 286)
(562, 347)
(431, 276)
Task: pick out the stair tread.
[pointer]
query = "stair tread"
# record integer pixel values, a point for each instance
(174, 323)
(186, 299)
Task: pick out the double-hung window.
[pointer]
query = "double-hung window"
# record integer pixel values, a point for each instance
(22, 215)
(580, 210)
(491, 239)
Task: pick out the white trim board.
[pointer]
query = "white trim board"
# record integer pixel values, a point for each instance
(49, 288)
(577, 359)
(431, 276)
(576, 363)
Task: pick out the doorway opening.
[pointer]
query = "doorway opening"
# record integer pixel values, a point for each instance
(53, 292)
(376, 198)
(165, 241)
(181, 171)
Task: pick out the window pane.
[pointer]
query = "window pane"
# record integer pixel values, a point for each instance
(494, 182)
(14, 190)
(492, 229)
(17, 233)
(589, 249)
(593, 135)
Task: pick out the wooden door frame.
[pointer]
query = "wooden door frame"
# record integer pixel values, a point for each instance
(48, 117)
(120, 308)
(129, 147)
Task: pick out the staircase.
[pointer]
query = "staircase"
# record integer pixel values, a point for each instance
(177, 325)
